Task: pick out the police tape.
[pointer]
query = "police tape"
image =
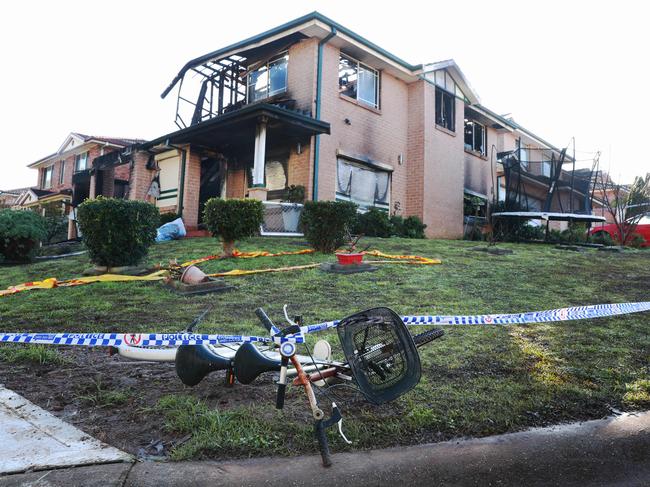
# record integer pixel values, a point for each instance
(552, 315)
(176, 339)
(134, 339)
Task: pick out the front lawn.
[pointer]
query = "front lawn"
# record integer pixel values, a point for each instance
(476, 380)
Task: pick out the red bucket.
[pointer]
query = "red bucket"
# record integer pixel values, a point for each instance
(350, 259)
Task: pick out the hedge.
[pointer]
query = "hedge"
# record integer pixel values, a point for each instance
(325, 223)
(117, 232)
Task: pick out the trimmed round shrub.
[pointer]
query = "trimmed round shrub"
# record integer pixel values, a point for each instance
(233, 219)
(117, 232)
(374, 223)
(325, 223)
(20, 233)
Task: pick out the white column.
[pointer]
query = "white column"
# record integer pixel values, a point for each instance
(260, 154)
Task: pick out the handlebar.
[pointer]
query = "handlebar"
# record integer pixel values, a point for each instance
(266, 321)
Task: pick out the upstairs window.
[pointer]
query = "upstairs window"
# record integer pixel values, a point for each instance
(475, 137)
(523, 157)
(61, 171)
(46, 182)
(269, 79)
(445, 110)
(81, 162)
(363, 185)
(358, 81)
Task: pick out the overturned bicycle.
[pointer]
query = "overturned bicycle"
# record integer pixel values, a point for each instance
(381, 358)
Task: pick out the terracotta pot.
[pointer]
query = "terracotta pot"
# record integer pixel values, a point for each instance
(193, 275)
(350, 259)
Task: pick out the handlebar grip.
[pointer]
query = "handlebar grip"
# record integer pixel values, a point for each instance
(321, 436)
(266, 321)
(279, 399)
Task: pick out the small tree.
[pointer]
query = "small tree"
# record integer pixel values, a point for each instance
(233, 219)
(20, 233)
(117, 232)
(625, 205)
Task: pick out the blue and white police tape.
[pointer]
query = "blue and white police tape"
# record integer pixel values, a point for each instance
(176, 339)
(135, 339)
(552, 315)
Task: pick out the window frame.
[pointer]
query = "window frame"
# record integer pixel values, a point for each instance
(471, 148)
(283, 56)
(440, 120)
(359, 67)
(61, 171)
(77, 158)
(366, 167)
(45, 182)
(525, 161)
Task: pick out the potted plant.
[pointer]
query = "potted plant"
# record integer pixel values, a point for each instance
(350, 255)
(292, 208)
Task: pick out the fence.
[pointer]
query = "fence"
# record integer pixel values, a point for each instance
(281, 219)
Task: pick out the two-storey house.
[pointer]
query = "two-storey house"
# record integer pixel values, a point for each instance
(312, 103)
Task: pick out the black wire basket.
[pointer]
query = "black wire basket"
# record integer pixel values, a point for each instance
(381, 353)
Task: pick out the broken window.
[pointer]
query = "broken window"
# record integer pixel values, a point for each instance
(474, 205)
(275, 172)
(475, 137)
(81, 162)
(362, 184)
(269, 79)
(445, 110)
(358, 81)
(47, 177)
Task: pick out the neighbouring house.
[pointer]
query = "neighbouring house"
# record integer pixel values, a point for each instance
(8, 197)
(65, 179)
(312, 103)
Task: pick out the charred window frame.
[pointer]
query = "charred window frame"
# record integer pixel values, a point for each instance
(81, 162)
(362, 184)
(358, 81)
(61, 171)
(475, 137)
(445, 109)
(269, 79)
(46, 181)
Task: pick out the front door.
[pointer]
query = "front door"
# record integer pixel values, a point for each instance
(212, 178)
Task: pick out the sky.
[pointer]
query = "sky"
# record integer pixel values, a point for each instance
(563, 69)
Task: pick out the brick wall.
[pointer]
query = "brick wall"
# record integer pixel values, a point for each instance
(301, 73)
(380, 135)
(443, 172)
(140, 177)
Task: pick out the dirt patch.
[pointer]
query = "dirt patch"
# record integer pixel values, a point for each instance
(111, 398)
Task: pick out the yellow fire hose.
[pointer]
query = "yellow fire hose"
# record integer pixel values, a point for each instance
(52, 282)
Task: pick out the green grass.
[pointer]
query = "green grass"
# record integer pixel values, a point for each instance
(98, 394)
(476, 380)
(30, 354)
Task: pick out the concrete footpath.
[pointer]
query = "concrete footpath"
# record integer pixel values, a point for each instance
(609, 452)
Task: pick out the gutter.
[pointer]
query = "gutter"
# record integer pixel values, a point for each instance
(319, 85)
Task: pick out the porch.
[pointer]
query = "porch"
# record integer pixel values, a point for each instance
(257, 151)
